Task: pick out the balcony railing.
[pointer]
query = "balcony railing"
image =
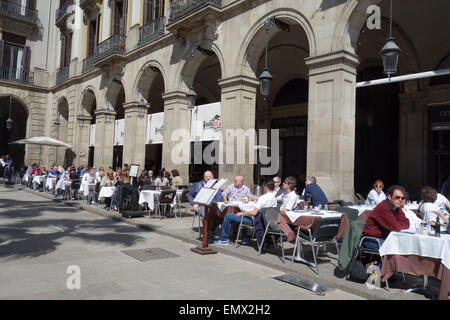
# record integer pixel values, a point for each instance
(88, 64)
(18, 11)
(180, 8)
(16, 75)
(62, 75)
(113, 45)
(151, 31)
(63, 11)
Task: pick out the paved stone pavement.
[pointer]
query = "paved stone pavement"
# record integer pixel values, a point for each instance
(40, 239)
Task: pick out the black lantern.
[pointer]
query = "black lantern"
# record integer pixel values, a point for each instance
(82, 119)
(390, 52)
(191, 96)
(9, 122)
(265, 79)
(57, 123)
(142, 109)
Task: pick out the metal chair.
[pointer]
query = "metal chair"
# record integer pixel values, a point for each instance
(347, 204)
(361, 202)
(165, 198)
(360, 197)
(182, 199)
(270, 219)
(352, 214)
(244, 225)
(325, 232)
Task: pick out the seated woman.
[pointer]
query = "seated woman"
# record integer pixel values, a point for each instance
(108, 181)
(430, 210)
(161, 181)
(376, 195)
(122, 188)
(177, 180)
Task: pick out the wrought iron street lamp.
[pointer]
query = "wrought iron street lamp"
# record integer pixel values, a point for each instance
(81, 118)
(390, 52)
(192, 97)
(9, 122)
(142, 109)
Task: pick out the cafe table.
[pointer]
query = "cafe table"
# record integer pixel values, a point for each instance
(361, 208)
(38, 179)
(419, 254)
(148, 196)
(106, 192)
(291, 220)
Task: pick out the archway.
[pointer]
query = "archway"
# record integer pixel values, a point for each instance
(19, 115)
(87, 148)
(119, 128)
(61, 130)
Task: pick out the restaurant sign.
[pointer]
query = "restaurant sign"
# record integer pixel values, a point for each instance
(119, 132)
(155, 128)
(92, 136)
(439, 114)
(206, 122)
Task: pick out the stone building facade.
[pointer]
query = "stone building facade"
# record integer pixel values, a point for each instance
(100, 61)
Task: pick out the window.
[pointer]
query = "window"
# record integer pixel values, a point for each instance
(153, 9)
(14, 57)
(119, 13)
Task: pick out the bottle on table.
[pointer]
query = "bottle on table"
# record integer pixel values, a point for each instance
(437, 227)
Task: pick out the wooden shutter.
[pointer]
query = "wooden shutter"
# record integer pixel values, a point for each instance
(63, 51)
(2, 45)
(125, 17)
(146, 14)
(26, 58)
(69, 49)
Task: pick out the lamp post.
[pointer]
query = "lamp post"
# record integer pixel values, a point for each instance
(9, 122)
(142, 109)
(390, 51)
(57, 124)
(81, 118)
(265, 79)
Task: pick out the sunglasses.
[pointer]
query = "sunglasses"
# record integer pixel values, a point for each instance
(398, 197)
(379, 187)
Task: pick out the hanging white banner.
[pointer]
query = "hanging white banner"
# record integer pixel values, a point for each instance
(155, 128)
(92, 136)
(205, 125)
(119, 132)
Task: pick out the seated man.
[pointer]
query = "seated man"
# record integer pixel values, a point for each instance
(278, 191)
(442, 202)
(208, 175)
(290, 198)
(386, 217)
(236, 191)
(265, 201)
(313, 191)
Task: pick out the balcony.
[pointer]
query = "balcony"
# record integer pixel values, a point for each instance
(63, 12)
(152, 31)
(110, 50)
(62, 75)
(16, 75)
(194, 9)
(19, 12)
(88, 64)
(89, 4)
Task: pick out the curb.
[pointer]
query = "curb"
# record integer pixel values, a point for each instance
(355, 290)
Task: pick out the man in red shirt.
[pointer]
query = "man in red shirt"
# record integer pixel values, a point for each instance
(386, 217)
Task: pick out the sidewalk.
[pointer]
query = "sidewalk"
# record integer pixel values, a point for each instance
(181, 229)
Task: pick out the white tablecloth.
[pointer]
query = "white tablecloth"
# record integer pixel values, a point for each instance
(398, 243)
(294, 215)
(84, 187)
(243, 206)
(50, 184)
(362, 208)
(412, 206)
(106, 192)
(38, 179)
(148, 196)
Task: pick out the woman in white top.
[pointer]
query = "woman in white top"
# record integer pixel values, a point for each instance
(161, 181)
(376, 195)
(430, 210)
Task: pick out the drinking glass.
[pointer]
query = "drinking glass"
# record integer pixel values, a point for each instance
(325, 207)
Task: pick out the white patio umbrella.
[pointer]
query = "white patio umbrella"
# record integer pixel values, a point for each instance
(42, 141)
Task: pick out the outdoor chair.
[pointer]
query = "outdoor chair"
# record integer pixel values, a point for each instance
(245, 225)
(148, 187)
(270, 219)
(182, 187)
(325, 232)
(347, 204)
(332, 206)
(165, 188)
(352, 214)
(361, 202)
(183, 199)
(360, 197)
(165, 198)
(74, 188)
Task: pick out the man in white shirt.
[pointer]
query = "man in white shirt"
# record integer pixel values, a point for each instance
(442, 202)
(277, 191)
(430, 210)
(290, 198)
(267, 200)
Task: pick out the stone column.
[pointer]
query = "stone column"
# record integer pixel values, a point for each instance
(81, 145)
(176, 144)
(238, 104)
(104, 138)
(331, 123)
(413, 138)
(135, 135)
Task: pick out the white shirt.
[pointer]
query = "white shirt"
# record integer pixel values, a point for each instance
(441, 201)
(290, 201)
(2, 162)
(267, 200)
(88, 179)
(429, 211)
(373, 198)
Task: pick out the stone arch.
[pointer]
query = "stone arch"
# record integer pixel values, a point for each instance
(145, 78)
(253, 45)
(188, 68)
(347, 30)
(112, 92)
(88, 101)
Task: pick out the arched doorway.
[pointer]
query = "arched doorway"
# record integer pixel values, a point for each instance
(87, 125)
(19, 116)
(119, 129)
(61, 131)
(286, 107)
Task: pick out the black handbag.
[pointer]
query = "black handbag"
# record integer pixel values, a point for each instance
(356, 269)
